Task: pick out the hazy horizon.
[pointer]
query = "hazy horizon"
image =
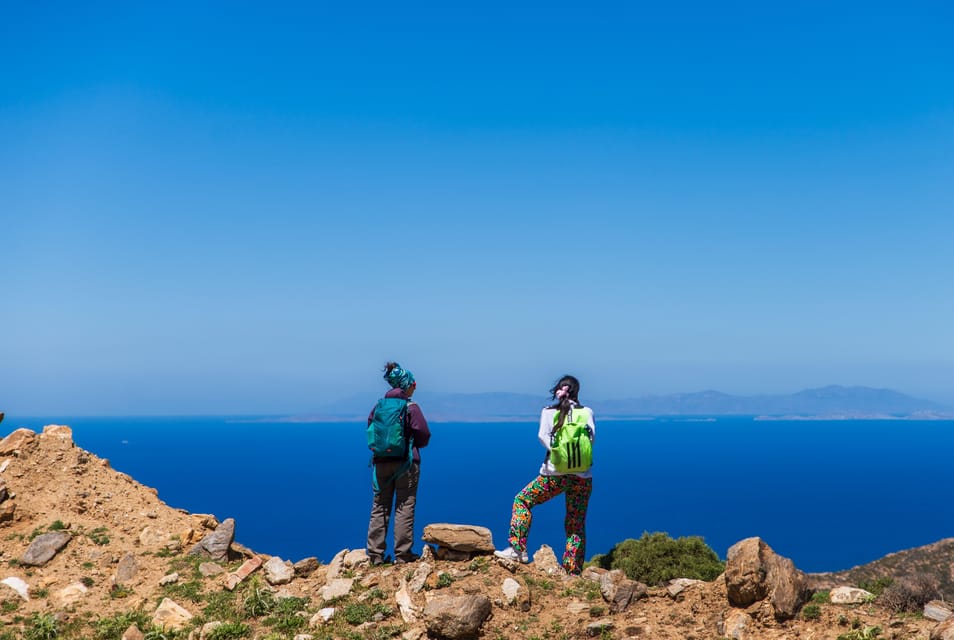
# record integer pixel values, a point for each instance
(244, 211)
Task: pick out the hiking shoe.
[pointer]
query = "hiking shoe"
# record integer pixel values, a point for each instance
(512, 554)
(405, 559)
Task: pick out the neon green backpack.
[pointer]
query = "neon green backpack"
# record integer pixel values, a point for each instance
(571, 447)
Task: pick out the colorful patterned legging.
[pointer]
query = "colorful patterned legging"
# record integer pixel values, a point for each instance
(541, 489)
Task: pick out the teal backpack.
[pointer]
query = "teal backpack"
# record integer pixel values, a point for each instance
(386, 437)
(571, 447)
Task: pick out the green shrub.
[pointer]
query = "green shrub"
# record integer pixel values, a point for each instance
(877, 586)
(656, 557)
(811, 612)
(868, 633)
(41, 627)
(113, 627)
(230, 631)
(822, 597)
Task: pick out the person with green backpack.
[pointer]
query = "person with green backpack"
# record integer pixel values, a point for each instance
(397, 430)
(566, 431)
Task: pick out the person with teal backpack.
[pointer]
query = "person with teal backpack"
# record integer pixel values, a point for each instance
(396, 432)
(566, 431)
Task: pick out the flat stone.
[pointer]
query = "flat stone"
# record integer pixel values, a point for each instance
(170, 615)
(18, 585)
(44, 547)
(248, 567)
(456, 617)
(938, 610)
(850, 595)
(460, 537)
(211, 569)
(70, 594)
(216, 544)
(337, 588)
(126, 570)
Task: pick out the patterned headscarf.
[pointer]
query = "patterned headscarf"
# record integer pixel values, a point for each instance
(399, 378)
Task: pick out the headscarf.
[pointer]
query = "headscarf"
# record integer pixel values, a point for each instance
(399, 378)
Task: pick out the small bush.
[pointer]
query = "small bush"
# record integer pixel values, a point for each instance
(822, 597)
(230, 631)
(98, 536)
(258, 600)
(876, 586)
(868, 633)
(113, 627)
(41, 627)
(909, 594)
(656, 558)
(811, 612)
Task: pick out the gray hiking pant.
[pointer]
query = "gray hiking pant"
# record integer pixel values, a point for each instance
(403, 493)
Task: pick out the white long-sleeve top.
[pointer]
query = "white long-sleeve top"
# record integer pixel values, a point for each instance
(546, 426)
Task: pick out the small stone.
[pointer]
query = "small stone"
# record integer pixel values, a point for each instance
(171, 578)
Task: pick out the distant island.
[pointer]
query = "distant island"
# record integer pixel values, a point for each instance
(832, 402)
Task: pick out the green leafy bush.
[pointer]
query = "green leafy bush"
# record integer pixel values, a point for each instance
(811, 612)
(656, 557)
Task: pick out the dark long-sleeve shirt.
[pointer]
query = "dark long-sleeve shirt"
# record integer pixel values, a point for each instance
(416, 423)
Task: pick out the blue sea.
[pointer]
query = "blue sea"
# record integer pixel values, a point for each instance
(827, 494)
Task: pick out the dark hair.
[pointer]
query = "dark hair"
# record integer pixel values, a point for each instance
(388, 367)
(566, 403)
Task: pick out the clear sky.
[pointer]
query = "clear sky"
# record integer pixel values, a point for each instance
(244, 208)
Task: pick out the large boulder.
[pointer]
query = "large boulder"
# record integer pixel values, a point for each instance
(456, 617)
(754, 572)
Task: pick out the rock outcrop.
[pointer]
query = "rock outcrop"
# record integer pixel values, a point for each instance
(753, 573)
(81, 542)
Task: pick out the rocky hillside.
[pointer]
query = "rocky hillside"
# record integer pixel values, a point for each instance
(87, 552)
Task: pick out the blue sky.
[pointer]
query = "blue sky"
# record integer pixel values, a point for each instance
(233, 208)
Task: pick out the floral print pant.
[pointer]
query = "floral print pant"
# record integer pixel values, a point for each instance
(541, 489)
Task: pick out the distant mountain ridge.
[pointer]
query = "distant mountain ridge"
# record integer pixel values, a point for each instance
(830, 402)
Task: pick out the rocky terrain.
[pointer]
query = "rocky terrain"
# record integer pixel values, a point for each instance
(87, 552)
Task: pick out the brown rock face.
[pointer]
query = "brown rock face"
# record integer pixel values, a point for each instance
(754, 572)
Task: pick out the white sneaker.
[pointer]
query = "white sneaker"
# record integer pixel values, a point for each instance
(512, 554)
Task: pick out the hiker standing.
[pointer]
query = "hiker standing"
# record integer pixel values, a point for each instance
(566, 431)
(396, 431)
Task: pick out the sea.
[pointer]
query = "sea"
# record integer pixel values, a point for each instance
(830, 495)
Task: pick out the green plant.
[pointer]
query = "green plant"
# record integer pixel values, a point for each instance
(258, 600)
(843, 620)
(811, 612)
(9, 606)
(229, 631)
(540, 583)
(113, 627)
(41, 627)
(39, 592)
(876, 586)
(88, 565)
(220, 605)
(480, 563)
(191, 590)
(57, 525)
(98, 536)
(120, 591)
(444, 580)
(656, 557)
(822, 597)
(87, 581)
(284, 617)
(597, 611)
(357, 613)
(867, 633)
